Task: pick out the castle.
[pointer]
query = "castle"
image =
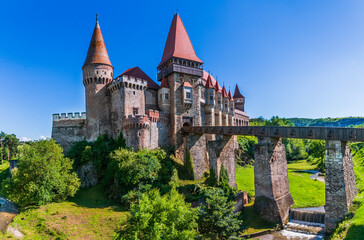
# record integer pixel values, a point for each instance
(149, 115)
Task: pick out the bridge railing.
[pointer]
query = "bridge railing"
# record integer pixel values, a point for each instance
(324, 133)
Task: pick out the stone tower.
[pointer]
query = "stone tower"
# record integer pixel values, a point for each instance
(182, 69)
(239, 99)
(97, 73)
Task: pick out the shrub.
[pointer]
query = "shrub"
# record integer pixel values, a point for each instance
(161, 217)
(217, 216)
(189, 165)
(43, 175)
(130, 170)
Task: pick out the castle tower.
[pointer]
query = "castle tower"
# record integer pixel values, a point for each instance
(225, 107)
(239, 99)
(210, 102)
(231, 109)
(97, 73)
(218, 106)
(164, 96)
(182, 69)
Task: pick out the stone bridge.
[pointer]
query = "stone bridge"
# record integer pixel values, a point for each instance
(272, 197)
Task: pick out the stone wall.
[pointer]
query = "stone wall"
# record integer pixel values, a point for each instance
(68, 128)
(272, 197)
(151, 99)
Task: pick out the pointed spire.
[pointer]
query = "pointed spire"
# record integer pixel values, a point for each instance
(237, 93)
(209, 82)
(97, 52)
(217, 87)
(230, 96)
(164, 83)
(224, 93)
(178, 43)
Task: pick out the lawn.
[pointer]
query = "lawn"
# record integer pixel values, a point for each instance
(89, 215)
(306, 192)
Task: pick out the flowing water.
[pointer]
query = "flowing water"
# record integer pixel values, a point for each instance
(8, 211)
(304, 224)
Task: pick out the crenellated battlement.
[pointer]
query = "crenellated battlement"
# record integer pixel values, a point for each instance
(137, 122)
(69, 116)
(125, 81)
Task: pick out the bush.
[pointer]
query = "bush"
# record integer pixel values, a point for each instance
(129, 171)
(189, 165)
(43, 175)
(217, 216)
(245, 151)
(161, 217)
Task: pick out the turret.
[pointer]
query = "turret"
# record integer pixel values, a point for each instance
(210, 92)
(164, 96)
(239, 99)
(97, 73)
(225, 111)
(231, 102)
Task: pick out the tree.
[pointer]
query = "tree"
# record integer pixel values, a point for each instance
(129, 170)
(161, 217)
(217, 216)
(317, 153)
(43, 175)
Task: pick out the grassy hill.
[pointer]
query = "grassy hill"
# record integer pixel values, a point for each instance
(328, 122)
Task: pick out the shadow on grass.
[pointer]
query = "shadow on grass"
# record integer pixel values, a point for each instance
(95, 197)
(355, 232)
(252, 222)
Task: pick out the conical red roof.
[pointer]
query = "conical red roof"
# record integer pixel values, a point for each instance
(230, 96)
(164, 83)
(217, 87)
(224, 93)
(237, 93)
(209, 82)
(178, 43)
(97, 52)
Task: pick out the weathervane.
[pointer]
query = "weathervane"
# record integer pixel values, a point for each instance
(97, 17)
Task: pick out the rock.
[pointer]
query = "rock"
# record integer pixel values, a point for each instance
(88, 175)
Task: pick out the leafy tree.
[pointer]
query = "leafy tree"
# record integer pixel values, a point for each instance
(129, 170)
(161, 217)
(217, 216)
(317, 153)
(43, 175)
(189, 165)
(245, 151)
(212, 179)
(11, 143)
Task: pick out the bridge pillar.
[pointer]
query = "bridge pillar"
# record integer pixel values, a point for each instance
(339, 181)
(196, 145)
(272, 197)
(222, 152)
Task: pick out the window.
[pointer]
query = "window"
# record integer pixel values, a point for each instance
(166, 96)
(133, 92)
(188, 95)
(97, 72)
(135, 111)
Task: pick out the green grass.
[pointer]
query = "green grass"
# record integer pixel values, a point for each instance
(306, 192)
(4, 170)
(89, 215)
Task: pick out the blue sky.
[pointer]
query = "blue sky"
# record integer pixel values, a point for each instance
(290, 58)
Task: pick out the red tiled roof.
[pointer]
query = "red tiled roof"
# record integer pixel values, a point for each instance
(209, 82)
(164, 83)
(218, 88)
(97, 52)
(224, 93)
(178, 43)
(230, 96)
(237, 93)
(138, 73)
(186, 84)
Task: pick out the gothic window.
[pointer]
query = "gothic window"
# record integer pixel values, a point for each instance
(166, 96)
(133, 92)
(135, 111)
(97, 72)
(211, 97)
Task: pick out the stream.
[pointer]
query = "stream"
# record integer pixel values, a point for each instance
(8, 211)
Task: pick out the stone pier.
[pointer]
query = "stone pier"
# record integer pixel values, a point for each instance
(340, 182)
(272, 197)
(222, 152)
